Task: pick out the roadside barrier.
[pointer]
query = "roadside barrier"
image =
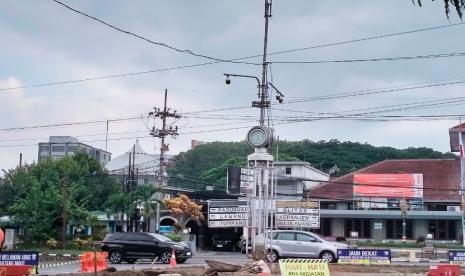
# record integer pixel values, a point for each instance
(93, 261)
(304, 267)
(444, 270)
(17, 270)
(57, 264)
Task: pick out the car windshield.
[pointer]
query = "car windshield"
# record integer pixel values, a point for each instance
(160, 237)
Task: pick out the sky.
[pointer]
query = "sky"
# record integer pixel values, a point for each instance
(42, 42)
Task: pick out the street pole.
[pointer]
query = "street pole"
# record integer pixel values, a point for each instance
(162, 133)
(403, 209)
(462, 181)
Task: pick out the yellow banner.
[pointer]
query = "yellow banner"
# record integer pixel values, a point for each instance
(303, 267)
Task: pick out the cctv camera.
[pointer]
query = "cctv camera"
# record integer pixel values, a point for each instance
(228, 80)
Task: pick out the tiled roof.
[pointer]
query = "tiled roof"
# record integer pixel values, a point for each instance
(441, 179)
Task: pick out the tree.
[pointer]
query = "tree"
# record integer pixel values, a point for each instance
(210, 161)
(184, 209)
(54, 193)
(457, 4)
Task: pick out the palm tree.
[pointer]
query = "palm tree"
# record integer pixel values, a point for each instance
(143, 199)
(458, 4)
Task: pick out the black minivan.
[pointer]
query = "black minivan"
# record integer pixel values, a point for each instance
(130, 246)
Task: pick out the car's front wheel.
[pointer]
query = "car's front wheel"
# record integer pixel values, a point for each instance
(272, 256)
(165, 257)
(115, 256)
(328, 256)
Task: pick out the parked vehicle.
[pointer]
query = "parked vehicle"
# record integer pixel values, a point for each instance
(132, 246)
(301, 244)
(225, 241)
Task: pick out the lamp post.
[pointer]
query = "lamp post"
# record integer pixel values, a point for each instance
(403, 209)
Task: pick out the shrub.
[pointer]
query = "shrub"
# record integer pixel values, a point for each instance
(52, 243)
(174, 237)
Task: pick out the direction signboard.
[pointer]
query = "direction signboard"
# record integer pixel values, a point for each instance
(302, 214)
(227, 213)
(247, 181)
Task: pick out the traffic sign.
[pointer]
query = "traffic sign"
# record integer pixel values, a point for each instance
(227, 213)
(304, 214)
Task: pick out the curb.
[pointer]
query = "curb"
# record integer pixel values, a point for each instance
(57, 264)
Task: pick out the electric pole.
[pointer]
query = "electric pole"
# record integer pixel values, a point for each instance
(162, 133)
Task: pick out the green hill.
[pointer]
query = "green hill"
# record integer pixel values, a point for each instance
(207, 163)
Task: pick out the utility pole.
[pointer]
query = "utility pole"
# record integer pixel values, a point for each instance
(163, 114)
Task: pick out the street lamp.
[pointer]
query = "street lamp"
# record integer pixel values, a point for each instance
(403, 209)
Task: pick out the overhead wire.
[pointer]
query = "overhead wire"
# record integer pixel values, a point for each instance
(234, 59)
(185, 51)
(431, 56)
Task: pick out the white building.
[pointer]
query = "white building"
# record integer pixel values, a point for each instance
(297, 177)
(146, 165)
(60, 146)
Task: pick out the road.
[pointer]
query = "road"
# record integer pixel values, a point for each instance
(197, 259)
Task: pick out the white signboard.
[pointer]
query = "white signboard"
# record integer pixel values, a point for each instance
(227, 213)
(301, 214)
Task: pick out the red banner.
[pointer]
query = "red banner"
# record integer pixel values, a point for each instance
(388, 185)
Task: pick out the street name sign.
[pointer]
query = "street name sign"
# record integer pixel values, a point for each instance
(302, 214)
(227, 213)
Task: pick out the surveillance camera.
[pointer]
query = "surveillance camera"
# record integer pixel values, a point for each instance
(228, 80)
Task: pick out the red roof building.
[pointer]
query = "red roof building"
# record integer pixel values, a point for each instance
(441, 179)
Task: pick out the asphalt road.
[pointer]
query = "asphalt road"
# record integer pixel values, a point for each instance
(197, 259)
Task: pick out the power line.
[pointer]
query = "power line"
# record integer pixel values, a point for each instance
(367, 38)
(372, 92)
(431, 56)
(185, 51)
(234, 59)
(68, 124)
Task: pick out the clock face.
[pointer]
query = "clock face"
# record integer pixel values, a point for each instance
(257, 137)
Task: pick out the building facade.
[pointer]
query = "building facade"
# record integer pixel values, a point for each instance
(60, 146)
(294, 178)
(368, 201)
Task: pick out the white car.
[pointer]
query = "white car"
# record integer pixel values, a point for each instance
(301, 244)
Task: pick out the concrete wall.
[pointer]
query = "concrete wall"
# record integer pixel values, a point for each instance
(337, 227)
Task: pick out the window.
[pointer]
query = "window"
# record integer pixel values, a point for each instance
(305, 238)
(394, 229)
(44, 148)
(285, 236)
(442, 229)
(73, 148)
(288, 170)
(58, 148)
(362, 226)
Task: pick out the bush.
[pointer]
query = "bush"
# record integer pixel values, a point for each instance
(52, 243)
(421, 239)
(174, 237)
